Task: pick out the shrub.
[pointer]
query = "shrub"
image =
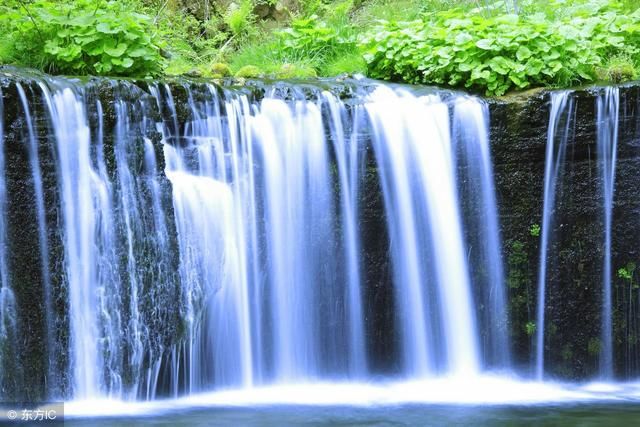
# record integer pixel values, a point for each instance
(497, 54)
(83, 37)
(309, 37)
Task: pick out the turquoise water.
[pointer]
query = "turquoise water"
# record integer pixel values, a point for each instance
(619, 414)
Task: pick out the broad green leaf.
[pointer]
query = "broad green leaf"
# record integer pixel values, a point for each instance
(523, 53)
(485, 44)
(115, 51)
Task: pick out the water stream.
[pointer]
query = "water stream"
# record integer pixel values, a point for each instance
(557, 136)
(608, 106)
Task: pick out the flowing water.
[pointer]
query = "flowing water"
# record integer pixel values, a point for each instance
(608, 105)
(412, 141)
(557, 135)
(471, 135)
(200, 245)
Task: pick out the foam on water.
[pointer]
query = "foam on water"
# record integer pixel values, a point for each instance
(480, 390)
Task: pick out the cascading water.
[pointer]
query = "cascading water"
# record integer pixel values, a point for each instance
(557, 135)
(608, 105)
(271, 281)
(349, 158)
(470, 122)
(411, 138)
(83, 197)
(212, 239)
(34, 163)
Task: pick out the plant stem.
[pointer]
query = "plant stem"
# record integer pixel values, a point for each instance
(31, 18)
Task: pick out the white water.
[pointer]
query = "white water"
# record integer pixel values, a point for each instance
(34, 162)
(557, 135)
(284, 262)
(413, 147)
(608, 105)
(245, 268)
(470, 121)
(349, 158)
(484, 390)
(83, 199)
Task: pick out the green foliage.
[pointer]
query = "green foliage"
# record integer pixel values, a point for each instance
(309, 46)
(617, 69)
(313, 39)
(241, 19)
(478, 44)
(530, 328)
(535, 230)
(349, 63)
(499, 53)
(627, 271)
(517, 265)
(84, 37)
(567, 353)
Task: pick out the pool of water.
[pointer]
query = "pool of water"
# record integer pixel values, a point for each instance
(583, 414)
(485, 401)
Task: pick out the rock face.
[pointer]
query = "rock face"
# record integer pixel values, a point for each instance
(575, 255)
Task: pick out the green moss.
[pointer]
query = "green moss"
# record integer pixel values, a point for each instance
(249, 72)
(220, 69)
(517, 265)
(567, 353)
(594, 347)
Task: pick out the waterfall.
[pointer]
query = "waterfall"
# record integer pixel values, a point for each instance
(561, 113)
(34, 161)
(84, 199)
(348, 157)
(412, 142)
(608, 105)
(470, 122)
(212, 238)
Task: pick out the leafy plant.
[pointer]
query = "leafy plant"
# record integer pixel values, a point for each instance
(310, 36)
(241, 19)
(84, 37)
(627, 272)
(503, 52)
(535, 230)
(530, 328)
